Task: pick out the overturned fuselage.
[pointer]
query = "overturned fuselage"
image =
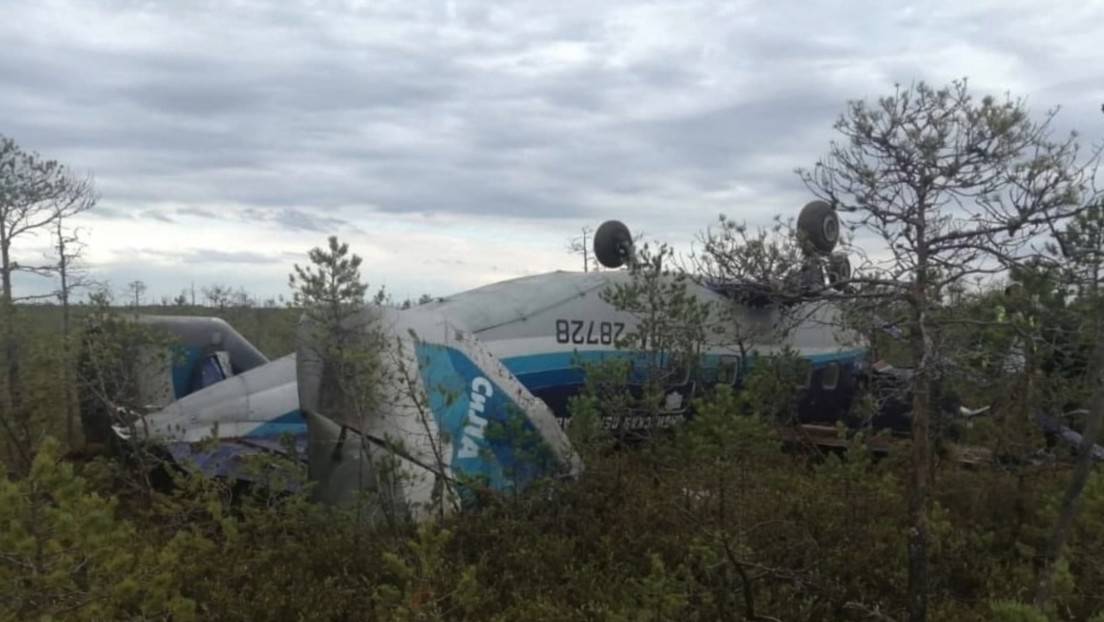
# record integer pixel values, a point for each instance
(420, 407)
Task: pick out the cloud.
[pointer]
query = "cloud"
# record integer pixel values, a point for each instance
(296, 220)
(156, 215)
(198, 212)
(213, 256)
(497, 127)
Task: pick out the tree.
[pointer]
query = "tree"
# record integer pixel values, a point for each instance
(581, 246)
(339, 338)
(34, 194)
(242, 299)
(734, 253)
(954, 187)
(135, 290)
(116, 358)
(670, 324)
(71, 277)
(220, 296)
(756, 268)
(1081, 250)
(330, 289)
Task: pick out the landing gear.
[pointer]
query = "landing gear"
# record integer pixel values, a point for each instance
(613, 244)
(839, 271)
(818, 227)
(818, 232)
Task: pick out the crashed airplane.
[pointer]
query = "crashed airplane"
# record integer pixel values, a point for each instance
(477, 384)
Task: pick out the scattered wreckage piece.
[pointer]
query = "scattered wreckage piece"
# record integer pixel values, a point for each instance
(828, 437)
(899, 408)
(1069, 436)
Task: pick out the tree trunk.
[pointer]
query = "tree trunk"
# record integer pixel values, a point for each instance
(920, 467)
(11, 357)
(10, 347)
(1071, 501)
(66, 360)
(919, 344)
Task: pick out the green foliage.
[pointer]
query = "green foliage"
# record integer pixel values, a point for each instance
(64, 553)
(1082, 246)
(671, 532)
(343, 334)
(771, 386)
(670, 321)
(116, 355)
(331, 289)
(767, 261)
(1012, 611)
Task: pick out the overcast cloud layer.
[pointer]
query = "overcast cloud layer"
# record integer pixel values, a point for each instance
(457, 143)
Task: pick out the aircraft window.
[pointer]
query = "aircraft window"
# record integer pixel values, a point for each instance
(210, 372)
(830, 376)
(709, 374)
(805, 373)
(729, 367)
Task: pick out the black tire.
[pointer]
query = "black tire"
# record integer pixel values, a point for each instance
(819, 226)
(613, 244)
(839, 270)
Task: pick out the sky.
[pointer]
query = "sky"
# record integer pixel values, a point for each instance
(456, 143)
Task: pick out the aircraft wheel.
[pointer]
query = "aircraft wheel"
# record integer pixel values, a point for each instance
(819, 225)
(612, 244)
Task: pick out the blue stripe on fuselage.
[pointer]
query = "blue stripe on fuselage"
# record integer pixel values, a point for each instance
(551, 369)
(291, 423)
(546, 373)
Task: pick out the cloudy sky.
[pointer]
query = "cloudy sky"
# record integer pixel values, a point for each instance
(455, 143)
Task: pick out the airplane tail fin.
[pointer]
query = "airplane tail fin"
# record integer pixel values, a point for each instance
(202, 351)
(448, 417)
(149, 362)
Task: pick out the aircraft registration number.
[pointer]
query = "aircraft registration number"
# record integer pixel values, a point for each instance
(588, 332)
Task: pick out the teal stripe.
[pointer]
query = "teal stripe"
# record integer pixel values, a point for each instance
(552, 361)
(184, 362)
(288, 423)
(553, 369)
